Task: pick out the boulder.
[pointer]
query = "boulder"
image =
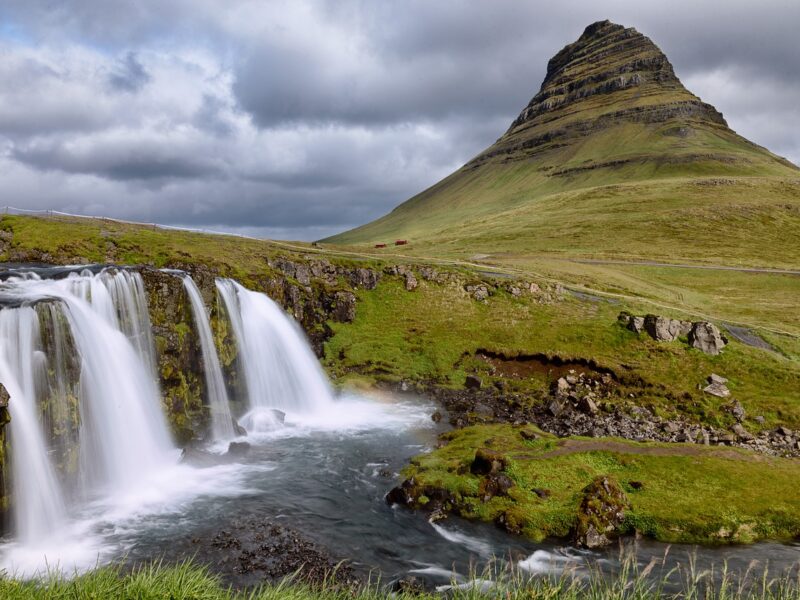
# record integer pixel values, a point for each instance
(411, 282)
(494, 484)
(601, 513)
(561, 387)
(238, 429)
(706, 337)
(741, 432)
(487, 462)
(736, 409)
(238, 448)
(662, 329)
(587, 406)
(403, 494)
(344, 307)
(636, 324)
(555, 408)
(473, 383)
(719, 390)
(719, 379)
(4, 396)
(364, 278)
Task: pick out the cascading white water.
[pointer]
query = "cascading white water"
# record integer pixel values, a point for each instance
(280, 371)
(39, 503)
(123, 432)
(221, 420)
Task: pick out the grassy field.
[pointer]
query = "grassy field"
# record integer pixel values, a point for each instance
(191, 582)
(390, 340)
(680, 492)
(433, 333)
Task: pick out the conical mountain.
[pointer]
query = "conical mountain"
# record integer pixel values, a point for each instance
(613, 156)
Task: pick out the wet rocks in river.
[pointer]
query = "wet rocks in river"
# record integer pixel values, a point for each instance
(601, 513)
(252, 550)
(238, 448)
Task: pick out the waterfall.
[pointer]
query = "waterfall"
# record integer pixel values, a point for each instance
(39, 503)
(123, 434)
(280, 371)
(221, 420)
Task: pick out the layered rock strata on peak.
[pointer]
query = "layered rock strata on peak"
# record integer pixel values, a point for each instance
(609, 76)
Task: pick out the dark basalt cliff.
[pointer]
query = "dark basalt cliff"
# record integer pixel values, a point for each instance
(610, 76)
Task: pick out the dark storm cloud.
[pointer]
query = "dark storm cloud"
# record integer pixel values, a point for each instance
(297, 119)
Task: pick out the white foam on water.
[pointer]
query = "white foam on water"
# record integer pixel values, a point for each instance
(473, 544)
(543, 562)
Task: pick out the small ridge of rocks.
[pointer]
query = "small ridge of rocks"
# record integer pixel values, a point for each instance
(703, 335)
(587, 405)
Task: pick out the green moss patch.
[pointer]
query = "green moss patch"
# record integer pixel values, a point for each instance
(677, 492)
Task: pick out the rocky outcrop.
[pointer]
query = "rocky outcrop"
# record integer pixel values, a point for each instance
(702, 335)
(706, 337)
(601, 514)
(716, 386)
(664, 329)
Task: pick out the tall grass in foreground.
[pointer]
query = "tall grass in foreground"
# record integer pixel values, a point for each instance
(188, 581)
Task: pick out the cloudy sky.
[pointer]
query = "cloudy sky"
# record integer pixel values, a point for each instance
(297, 119)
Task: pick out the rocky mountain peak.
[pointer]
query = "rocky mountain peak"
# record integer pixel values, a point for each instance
(606, 60)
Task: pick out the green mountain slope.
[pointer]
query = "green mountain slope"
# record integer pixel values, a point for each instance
(613, 157)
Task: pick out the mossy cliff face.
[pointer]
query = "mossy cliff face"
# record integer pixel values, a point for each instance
(314, 292)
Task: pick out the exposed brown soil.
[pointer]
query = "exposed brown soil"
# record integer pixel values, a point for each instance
(525, 366)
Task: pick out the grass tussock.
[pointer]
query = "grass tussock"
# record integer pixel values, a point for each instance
(188, 581)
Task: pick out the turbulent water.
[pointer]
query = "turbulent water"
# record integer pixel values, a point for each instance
(95, 476)
(280, 371)
(221, 419)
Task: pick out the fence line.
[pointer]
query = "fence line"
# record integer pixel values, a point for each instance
(13, 210)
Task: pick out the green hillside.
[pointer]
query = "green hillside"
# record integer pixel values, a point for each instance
(612, 158)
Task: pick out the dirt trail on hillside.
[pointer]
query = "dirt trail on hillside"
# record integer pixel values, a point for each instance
(567, 447)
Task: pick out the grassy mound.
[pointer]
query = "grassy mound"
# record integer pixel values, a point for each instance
(677, 492)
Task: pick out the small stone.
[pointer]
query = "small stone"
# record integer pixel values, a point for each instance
(555, 408)
(436, 417)
(741, 432)
(719, 379)
(718, 390)
(411, 282)
(473, 383)
(561, 386)
(494, 484)
(759, 419)
(587, 406)
(737, 410)
(542, 493)
(785, 431)
(528, 435)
